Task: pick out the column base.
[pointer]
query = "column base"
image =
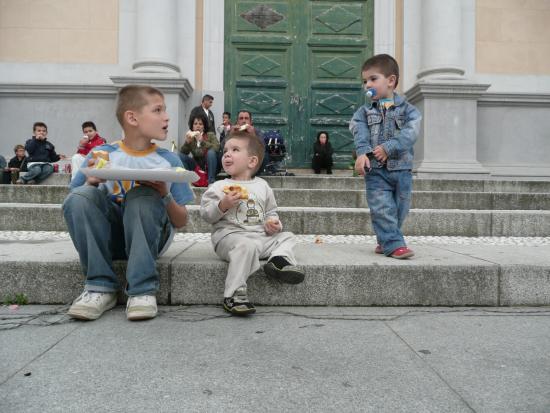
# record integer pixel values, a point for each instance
(446, 169)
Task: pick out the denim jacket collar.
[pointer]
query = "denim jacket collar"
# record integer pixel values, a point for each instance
(397, 99)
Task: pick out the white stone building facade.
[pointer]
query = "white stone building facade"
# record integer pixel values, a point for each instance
(479, 70)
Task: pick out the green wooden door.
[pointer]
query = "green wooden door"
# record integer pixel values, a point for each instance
(295, 65)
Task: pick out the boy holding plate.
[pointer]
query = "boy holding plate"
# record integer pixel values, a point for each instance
(132, 220)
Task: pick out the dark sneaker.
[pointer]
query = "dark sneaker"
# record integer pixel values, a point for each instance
(288, 274)
(238, 304)
(402, 253)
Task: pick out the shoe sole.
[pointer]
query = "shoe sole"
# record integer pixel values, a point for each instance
(82, 313)
(141, 314)
(285, 276)
(234, 310)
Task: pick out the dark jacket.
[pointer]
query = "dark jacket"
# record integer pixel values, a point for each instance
(21, 164)
(324, 151)
(40, 151)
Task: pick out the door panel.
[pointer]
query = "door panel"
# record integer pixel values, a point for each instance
(296, 66)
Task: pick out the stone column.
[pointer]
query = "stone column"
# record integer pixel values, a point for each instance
(156, 37)
(154, 57)
(447, 144)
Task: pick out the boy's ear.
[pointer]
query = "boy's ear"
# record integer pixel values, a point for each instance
(253, 161)
(392, 79)
(130, 118)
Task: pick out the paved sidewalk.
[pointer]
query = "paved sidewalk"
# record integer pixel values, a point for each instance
(306, 359)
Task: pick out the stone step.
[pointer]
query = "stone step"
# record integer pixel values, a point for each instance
(419, 184)
(336, 198)
(336, 275)
(344, 221)
(357, 183)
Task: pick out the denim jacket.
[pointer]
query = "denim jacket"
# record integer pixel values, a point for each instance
(396, 130)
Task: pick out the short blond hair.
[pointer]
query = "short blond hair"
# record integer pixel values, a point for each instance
(134, 97)
(255, 147)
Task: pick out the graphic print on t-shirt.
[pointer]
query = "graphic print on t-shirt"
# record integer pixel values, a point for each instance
(250, 212)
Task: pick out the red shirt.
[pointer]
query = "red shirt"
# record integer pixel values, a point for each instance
(92, 143)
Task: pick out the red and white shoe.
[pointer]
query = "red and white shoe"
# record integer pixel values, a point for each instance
(402, 253)
(378, 249)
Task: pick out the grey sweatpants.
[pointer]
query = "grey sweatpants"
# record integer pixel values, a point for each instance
(243, 251)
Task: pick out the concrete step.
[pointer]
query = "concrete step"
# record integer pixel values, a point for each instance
(336, 198)
(48, 272)
(310, 220)
(357, 183)
(419, 184)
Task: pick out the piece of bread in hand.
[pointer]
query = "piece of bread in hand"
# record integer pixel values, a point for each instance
(100, 155)
(236, 188)
(102, 158)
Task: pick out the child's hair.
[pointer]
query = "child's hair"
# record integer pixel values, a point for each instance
(89, 124)
(133, 97)
(228, 114)
(39, 124)
(17, 147)
(255, 146)
(385, 63)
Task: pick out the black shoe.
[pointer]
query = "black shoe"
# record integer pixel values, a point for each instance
(329, 171)
(288, 274)
(238, 304)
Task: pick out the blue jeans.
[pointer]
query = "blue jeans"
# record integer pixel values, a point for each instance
(389, 200)
(102, 231)
(211, 164)
(38, 172)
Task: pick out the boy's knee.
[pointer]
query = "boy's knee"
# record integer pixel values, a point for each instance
(83, 197)
(140, 192)
(244, 248)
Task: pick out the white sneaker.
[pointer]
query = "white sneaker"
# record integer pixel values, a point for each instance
(90, 305)
(141, 307)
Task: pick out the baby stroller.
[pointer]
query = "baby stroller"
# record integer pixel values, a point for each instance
(275, 152)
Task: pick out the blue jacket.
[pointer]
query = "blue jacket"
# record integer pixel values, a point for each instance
(40, 151)
(396, 131)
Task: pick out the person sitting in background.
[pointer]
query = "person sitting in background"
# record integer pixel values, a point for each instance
(224, 128)
(16, 165)
(322, 154)
(41, 155)
(90, 140)
(200, 148)
(5, 172)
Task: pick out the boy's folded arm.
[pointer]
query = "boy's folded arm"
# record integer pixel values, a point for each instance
(360, 130)
(271, 206)
(406, 137)
(210, 210)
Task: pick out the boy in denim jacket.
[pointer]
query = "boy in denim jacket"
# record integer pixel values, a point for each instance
(385, 131)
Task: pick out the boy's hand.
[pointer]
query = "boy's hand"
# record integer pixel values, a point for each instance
(380, 154)
(272, 226)
(158, 186)
(361, 163)
(230, 200)
(92, 180)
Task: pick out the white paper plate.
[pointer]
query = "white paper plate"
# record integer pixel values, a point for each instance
(123, 174)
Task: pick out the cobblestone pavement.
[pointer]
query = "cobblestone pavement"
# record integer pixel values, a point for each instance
(311, 238)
